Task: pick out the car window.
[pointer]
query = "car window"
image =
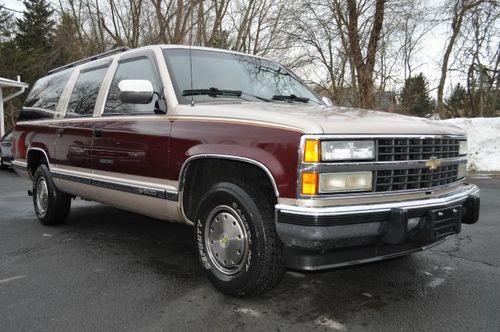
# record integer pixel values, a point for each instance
(131, 69)
(85, 91)
(229, 71)
(44, 96)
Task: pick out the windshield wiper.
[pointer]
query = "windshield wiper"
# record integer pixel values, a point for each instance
(212, 92)
(258, 97)
(290, 98)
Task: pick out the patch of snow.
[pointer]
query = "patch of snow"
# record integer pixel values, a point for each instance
(330, 323)
(483, 140)
(448, 269)
(436, 282)
(11, 279)
(248, 311)
(295, 274)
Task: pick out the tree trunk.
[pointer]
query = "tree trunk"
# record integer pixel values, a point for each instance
(365, 67)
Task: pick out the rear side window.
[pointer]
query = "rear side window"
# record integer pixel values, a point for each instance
(44, 96)
(85, 91)
(132, 69)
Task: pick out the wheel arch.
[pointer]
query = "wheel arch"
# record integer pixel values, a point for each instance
(34, 157)
(185, 184)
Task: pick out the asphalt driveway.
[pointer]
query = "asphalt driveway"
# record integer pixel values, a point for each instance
(109, 270)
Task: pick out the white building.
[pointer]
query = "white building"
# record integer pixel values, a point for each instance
(6, 83)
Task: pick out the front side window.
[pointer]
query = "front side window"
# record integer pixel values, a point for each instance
(44, 96)
(257, 79)
(132, 69)
(84, 94)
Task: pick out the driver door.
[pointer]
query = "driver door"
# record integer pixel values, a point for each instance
(130, 142)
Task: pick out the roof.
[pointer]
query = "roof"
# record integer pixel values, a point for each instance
(6, 83)
(121, 50)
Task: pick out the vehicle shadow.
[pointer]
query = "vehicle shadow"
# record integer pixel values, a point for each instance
(168, 250)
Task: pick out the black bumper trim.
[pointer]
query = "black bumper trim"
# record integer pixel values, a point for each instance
(308, 260)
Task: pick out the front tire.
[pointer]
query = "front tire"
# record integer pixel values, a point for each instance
(237, 240)
(51, 205)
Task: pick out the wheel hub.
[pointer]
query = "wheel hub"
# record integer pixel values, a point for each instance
(227, 240)
(42, 196)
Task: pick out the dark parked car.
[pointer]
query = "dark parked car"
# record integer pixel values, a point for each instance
(6, 151)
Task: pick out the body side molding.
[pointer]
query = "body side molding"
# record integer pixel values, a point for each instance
(150, 191)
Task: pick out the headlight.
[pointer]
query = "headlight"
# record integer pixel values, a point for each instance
(338, 182)
(462, 148)
(462, 170)
(347, 150)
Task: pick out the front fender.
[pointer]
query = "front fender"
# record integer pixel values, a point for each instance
(260, 158)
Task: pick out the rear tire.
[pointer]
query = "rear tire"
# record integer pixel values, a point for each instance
(51, 205)
(237, 240)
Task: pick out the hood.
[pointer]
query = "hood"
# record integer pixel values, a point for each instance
(320, 119)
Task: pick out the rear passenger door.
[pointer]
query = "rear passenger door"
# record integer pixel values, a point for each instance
(75, 132)
(131, 140)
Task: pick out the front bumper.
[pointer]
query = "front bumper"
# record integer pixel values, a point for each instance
(6, 160)
(324, 237)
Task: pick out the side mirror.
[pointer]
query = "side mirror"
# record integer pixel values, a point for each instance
(327, 101)
(135, 91)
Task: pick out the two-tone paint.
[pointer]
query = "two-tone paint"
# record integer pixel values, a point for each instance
(138, 162)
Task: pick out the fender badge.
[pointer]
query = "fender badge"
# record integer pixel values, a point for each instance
(433, 164)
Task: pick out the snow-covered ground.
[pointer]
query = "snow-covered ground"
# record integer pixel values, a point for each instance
(483, 140)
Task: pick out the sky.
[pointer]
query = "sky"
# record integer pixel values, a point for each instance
(14, 4)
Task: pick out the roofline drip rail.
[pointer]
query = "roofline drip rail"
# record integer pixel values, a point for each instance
(89, 59)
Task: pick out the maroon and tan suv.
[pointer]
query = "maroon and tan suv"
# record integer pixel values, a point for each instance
(268, 174)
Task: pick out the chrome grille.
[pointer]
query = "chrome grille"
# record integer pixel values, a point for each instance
(395, 149)
(414, 178)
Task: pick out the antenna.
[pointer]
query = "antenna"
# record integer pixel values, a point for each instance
(191, 56)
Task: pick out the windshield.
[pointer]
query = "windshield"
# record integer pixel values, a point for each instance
(257, 79)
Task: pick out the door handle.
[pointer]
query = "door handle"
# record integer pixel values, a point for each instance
(97, 132)
(60, 132)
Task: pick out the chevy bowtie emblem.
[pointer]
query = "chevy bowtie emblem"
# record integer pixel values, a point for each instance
(433, 164)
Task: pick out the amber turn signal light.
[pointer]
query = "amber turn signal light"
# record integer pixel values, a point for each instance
(311, 151)
(309, 183)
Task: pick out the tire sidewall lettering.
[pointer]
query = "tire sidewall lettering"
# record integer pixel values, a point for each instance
(201, 245)
(249, 234)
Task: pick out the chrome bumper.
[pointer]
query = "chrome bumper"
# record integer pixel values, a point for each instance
(449, 198)
(315, 236)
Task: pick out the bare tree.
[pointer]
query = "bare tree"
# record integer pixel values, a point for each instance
(483, 65)
(459, 10)
(353, 51)
(364, 63)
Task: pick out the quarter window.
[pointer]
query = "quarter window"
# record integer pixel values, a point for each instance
(44, 96)
(131, 69)
(84, 95)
